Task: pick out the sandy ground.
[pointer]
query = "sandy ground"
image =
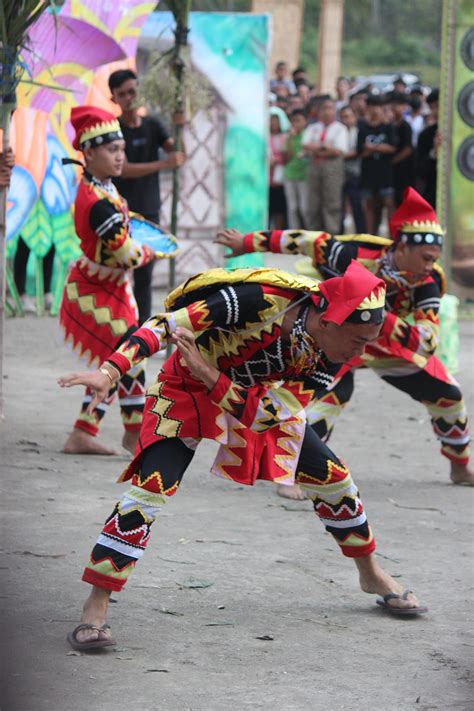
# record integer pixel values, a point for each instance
(269, 568)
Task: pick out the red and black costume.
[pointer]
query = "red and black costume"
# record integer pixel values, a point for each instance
(98, 310)
(404, 354)
(265, 384)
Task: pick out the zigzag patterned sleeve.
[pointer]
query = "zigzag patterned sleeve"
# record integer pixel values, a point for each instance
(223, 308)
(258, 407)
(111, 227)
(329, 255)
(423, 336)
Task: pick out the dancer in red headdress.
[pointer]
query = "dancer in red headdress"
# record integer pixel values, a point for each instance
(403, 355)
(253, 345)
(98, 310)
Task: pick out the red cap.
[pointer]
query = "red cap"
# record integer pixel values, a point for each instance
(94, 125)
(357, 296)
(415, 221)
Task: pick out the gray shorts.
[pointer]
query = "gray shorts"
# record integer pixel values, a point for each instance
(367, 193)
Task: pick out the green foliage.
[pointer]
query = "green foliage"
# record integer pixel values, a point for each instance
(159, 85)
(406, 50)
(376, 37)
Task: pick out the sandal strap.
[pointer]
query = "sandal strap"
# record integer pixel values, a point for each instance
(398, 596)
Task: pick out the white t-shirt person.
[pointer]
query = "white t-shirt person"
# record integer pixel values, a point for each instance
(332, 135)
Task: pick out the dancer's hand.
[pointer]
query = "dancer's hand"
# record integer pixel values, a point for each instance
(98, 382)
(206, 373)
(233, 239)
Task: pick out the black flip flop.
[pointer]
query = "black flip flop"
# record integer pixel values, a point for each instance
(92, 644)
(400, 611)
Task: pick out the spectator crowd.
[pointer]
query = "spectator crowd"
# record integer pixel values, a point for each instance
(338, 162)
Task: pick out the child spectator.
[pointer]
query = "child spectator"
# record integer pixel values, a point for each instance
(351, 189)
(358, 102)
(299, 75)
(326, 142)
(403, 159)
(295, 173)
(279, 127)
(342, 92)
(399, 85)
(281, 79)
(375, 145)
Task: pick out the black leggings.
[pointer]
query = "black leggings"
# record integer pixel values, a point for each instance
(20, 263)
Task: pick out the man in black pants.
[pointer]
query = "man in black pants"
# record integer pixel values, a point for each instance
(139, 183)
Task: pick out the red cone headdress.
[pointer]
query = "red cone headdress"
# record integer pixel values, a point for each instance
(415, 221)
(94, 127)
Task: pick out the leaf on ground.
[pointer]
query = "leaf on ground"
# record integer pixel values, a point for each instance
(180, 562)
(40, 555)
(124, 659)
(266, 638)
(288, 507)
(165, 611)
(219, 624)
(29, 442)
(150, 671)
(195, 584)
(386, 557)
(184, 541)
(226, 543)
(415, 508)
(73, 654)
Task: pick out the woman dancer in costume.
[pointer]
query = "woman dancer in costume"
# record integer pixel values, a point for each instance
(253, 345)
(98, 310)
(403, 356)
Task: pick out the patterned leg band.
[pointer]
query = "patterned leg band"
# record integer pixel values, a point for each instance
(340, 510)
(123, 539)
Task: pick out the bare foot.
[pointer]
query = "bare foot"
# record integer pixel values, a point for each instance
(462, 474)
(130, 439)
(80, 442)
(95, 613)
(374, 580)
(291, 492)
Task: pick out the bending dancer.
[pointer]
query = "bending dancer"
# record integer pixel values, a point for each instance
(403, 355)
(98, 311)
(252, 347)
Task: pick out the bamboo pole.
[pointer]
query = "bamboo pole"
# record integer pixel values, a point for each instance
(6, 109)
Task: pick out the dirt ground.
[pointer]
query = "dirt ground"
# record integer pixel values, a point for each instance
(242, 601)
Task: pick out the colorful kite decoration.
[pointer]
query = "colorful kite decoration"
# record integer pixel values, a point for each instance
(64, 55)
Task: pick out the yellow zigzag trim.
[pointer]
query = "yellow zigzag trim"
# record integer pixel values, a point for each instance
(102, 314)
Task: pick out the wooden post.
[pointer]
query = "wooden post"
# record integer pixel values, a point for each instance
(330, 41)
(287, 18)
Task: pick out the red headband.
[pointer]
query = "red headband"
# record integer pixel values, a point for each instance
(357, 296)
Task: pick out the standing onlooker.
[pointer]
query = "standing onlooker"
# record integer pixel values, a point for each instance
(358, 102)
(415, 119)
(375, 145)
(139, 183)
(427, 151)
(303, 90)
(403, 159)
(299, 74)
(279, 127)
(296, 172)
(351, 189)
(342, 92)
(281, 78)
(327, 142)
(399, 85)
